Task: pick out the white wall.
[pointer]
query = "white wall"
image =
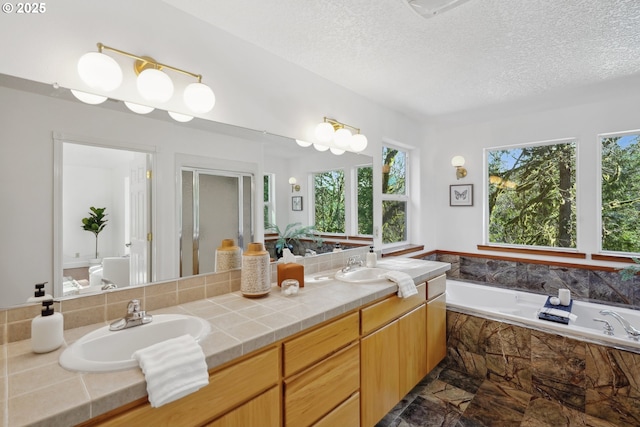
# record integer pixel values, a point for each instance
(461, 228)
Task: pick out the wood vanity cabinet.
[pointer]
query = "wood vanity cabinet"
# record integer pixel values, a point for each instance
(246, 392)
(436, 321)
(322, 375)
(393, 353)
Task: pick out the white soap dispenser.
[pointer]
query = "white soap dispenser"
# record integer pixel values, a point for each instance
(371, 258)
(47, 329)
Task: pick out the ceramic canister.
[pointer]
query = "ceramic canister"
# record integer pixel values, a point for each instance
(228, 256)
(255, 276)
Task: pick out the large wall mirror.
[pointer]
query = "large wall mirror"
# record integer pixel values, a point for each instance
(153, 140)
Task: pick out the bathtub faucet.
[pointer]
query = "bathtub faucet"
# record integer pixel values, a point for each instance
(631, 331)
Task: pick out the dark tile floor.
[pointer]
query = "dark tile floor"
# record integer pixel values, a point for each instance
(451, 399)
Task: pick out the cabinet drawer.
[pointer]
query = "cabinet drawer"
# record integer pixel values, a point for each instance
(345, 415)
(315, 392)
(385, 311)
(309, 348)
(262, 411)
(436, 286)
(227, 389)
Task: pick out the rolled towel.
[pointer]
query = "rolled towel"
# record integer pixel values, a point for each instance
(173, 369)
(406, 287)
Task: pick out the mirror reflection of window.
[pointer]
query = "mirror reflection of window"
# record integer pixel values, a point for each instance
(364, 200)
(329, 201)
(269, 199)
(395, 196)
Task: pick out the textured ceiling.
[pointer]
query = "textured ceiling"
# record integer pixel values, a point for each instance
(482, 53)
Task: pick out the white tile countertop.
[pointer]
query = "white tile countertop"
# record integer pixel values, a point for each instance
(37, 391)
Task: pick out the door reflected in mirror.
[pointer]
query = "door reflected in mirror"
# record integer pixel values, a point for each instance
(216, 205)
(115, 250)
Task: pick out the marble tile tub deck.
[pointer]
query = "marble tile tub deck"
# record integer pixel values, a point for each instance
(35, 390)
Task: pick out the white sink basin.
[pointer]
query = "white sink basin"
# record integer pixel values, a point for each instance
(362, 275)
(103, 350)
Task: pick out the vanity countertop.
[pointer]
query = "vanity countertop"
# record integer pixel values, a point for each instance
(36, 390)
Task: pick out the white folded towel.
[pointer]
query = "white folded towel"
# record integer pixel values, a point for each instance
(406, 287)
(173, 369)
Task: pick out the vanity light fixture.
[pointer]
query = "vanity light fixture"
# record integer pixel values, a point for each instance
(343, 136)
(302, 143)
(458, 163)
(101, 72)
(294, 184)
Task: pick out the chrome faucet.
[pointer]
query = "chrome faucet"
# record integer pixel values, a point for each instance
(629, 329)
(135, 317)
(352, 262)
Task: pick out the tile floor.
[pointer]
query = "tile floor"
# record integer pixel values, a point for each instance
(451, 399)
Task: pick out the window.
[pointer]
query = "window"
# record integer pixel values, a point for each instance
(329, 201)
(269, 207)
(364, 200)
(531, 195)
(620, 190)
(394, 195)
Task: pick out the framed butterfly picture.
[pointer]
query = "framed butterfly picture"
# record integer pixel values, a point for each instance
(461, 195)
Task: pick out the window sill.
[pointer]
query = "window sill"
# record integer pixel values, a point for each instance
(612, 258)
(531, 251)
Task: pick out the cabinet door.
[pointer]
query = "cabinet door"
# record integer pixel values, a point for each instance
(379, 382)
(313, 393)
(261, 411)
(436, 331)
(413, 348)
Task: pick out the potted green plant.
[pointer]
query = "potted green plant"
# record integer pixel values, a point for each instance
(293, 233)
(627, 273)
(95, 223)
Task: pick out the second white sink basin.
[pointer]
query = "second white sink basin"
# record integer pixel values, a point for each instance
(362, 275)
(103, 350)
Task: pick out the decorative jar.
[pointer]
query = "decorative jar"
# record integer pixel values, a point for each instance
(255, 276)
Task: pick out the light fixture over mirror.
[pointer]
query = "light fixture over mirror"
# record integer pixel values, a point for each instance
(339, 137)
(101, 72)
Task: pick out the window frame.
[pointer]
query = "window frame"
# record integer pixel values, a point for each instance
(599, 221)
(485, 187)
(406, 198)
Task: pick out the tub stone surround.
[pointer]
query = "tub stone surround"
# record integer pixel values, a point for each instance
(599, 381)
(586, 284)
(36, 391)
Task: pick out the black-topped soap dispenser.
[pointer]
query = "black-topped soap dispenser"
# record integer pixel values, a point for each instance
(372, 258)
(47, 329)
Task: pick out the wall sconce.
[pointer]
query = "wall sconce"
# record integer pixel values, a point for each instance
(458, 163)
(340, 134)
(294, 185)
(101, 72)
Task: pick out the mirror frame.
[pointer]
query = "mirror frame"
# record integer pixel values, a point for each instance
(59, 138)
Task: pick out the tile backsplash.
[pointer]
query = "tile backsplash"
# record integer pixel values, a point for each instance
(15, 323)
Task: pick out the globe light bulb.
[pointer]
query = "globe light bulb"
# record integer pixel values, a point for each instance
(154, 85)
(324, 132)
(320, 147)
(199, 98)
(337, 151)
(342, 138)
(302, 143)
(99, 71)
(88, 98)
(137, 108)
(178, 117)
(358, 142)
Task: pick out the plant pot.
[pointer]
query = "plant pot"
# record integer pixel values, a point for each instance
(280, 249)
